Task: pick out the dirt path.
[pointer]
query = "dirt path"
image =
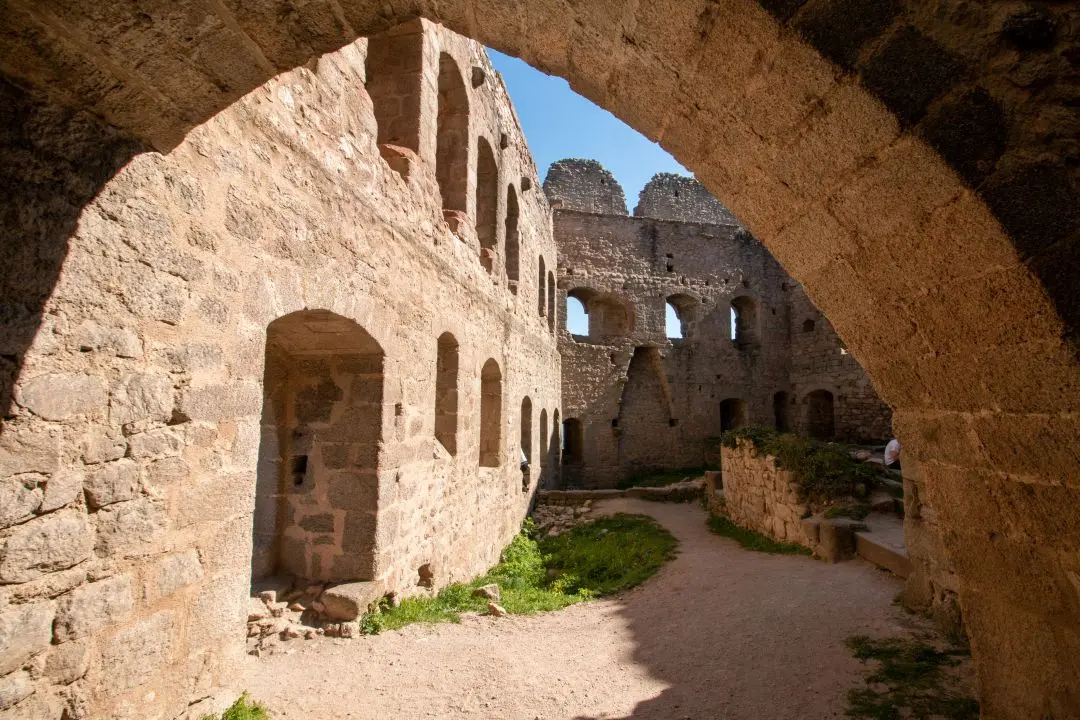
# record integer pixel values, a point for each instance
(720, 632)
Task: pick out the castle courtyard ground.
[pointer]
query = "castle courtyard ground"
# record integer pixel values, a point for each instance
(719, 632)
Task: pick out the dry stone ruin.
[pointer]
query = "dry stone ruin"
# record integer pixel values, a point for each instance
(193, 191)
(752, 347)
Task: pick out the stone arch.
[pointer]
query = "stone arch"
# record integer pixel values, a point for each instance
(732, 414)
(541, 287)
(610, 316)
(551, 312)
(836, 143)
(394, 74)
(820, 414)
(526, 428)
(744, 322)
(452, 136)
(446, 392)
(573, 443)
(487, 204)
(513, 240)
(317, 486)
(687, 309)
(555, 450)
(545, 456)
(491, 415)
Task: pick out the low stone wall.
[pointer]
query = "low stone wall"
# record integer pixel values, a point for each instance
(677, 492)
(761, 497)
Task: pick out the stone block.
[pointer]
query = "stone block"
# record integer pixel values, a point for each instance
(29, 449)
(156, 443)
(13, 688)
(836, 539)
(177, 571)
(92, 606)
(67, 662)
(46, 544)
(61, 489)
(139, 652)
(100, 444)
(20, 498)
(121, 342)
(25, 630)
(141, 396)
(350, 600)
(130, 528)
(111, 483)
(61, 396)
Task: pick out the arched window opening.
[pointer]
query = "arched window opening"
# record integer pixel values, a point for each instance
(321, 427)
(573, 442)
(551, 301)
(490, 415)
(446, 393)
(744, 322)
(808, 325)
(556, 450)
(487, 203)
(544, 454)
(526, 442)
(452, 141)
(577, 317)
(541, 289)
(820, 418)
(513, 241)
(732, 414)
(394, 79)
(780, 405)
(681, 313)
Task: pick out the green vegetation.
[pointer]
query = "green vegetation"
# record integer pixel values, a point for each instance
(660, 478)
(753, 540)
(823, 471)
(603, 557)
(910, 682)
(242, 709)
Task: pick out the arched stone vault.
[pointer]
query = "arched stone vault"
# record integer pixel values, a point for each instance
(909, 163)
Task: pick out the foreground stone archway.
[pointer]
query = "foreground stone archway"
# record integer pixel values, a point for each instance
(894, 169)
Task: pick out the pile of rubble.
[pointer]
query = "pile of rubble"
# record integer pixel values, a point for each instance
(557, 519)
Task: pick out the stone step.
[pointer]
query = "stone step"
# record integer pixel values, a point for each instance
(882, 553)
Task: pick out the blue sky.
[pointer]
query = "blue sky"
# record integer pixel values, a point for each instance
(559, 123)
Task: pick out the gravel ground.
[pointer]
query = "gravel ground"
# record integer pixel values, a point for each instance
(719, 632)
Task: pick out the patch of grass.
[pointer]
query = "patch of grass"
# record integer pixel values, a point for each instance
(754, 540)
(823, 471)
(242, 709)
(855, 511)
(603, 557)
(909, 682)
(660, 478)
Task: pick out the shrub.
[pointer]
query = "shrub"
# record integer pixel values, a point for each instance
(242, 709)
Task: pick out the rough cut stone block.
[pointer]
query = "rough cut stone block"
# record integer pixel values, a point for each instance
(20, 497)
(141, 396)
(14, 688)
(349, 600)
(67, 662)
(61, 489)
(130, 528)
(46, 544)
(176, 571)
(136, 654)
(25, 450)
(99, 445)
(837, 539)
(92, 606)
(24, 631)
(59, 396)
(157, 443)
(112, 483)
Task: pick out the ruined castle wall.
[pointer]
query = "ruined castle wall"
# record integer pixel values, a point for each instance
(637, 417)
(584, 185)
(668, 196)
(141, 429)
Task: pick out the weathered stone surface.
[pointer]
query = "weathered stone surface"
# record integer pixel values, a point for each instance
(491, 592)
(350, 600)
(26, 450)
(141, 396)
(122, 342)
(61, 489)
(177, 571)
(67, 662)
(139, 651)
(157, 443)
(92, 606)
(13, 688)
(59, 396)
(130, 528)
(20, 497)
(46, 544)
(24, 631)
(111, 483)
(101, 444)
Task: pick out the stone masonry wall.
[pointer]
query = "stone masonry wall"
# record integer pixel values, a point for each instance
(140, 426)
(646, 401)
(761, 497)
(668, 196)
(584, 185)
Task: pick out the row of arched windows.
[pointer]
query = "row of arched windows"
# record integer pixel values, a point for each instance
(820, 418)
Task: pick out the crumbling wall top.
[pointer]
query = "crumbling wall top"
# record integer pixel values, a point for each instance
(584, 185)
(668, 196)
